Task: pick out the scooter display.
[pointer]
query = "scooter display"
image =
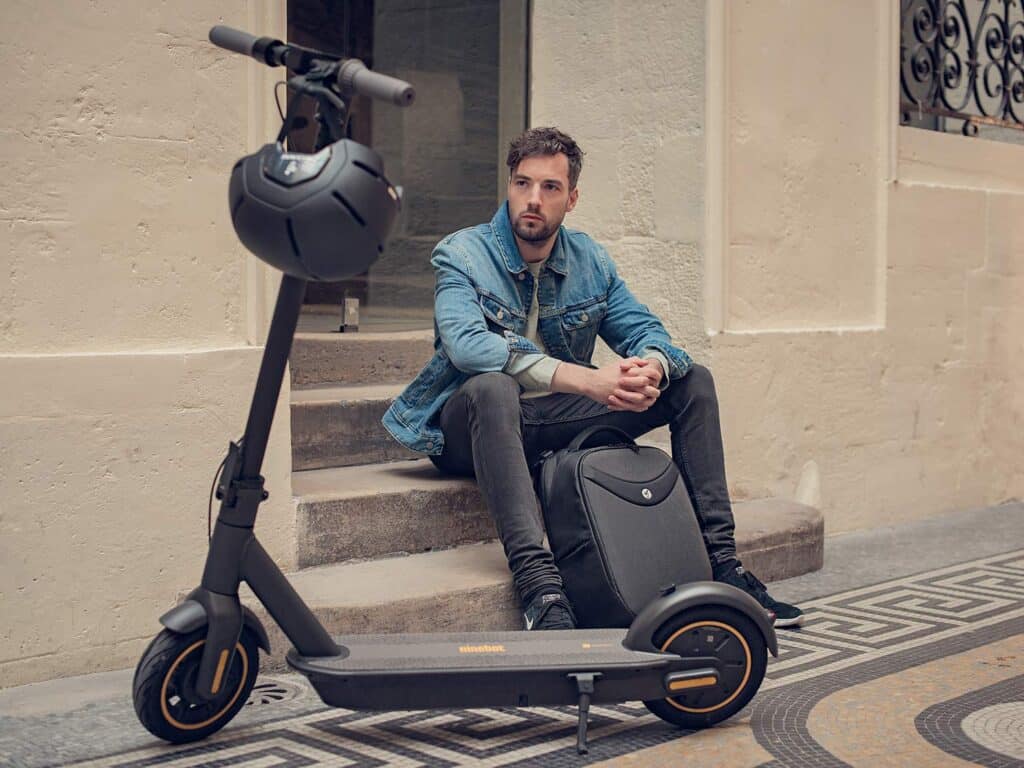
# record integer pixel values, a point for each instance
(695, 655)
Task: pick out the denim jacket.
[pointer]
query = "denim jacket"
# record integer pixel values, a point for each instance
(482, 294)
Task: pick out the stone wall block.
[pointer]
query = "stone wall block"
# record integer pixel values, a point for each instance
(679, 189)
(994, 302)
(636, 171)
(940, 227)
(800, 253)
(1006, 236)
(160, 245)
(580, 92)
(928, 300)
(599, 210)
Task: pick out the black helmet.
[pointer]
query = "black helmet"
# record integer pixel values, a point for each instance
(317, 217)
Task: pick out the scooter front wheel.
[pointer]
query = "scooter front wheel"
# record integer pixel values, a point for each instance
(741, 654)
(164, 687)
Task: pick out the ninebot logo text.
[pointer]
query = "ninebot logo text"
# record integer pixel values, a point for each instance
(481, 649)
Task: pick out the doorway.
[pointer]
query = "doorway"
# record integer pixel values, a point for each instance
(467, 60)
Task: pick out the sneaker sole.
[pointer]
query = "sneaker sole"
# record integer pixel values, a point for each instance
(796, 621)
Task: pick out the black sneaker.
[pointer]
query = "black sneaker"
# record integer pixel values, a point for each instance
(550, 610)
(783, 614)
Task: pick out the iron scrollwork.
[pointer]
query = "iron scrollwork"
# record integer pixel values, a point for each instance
(963, 60)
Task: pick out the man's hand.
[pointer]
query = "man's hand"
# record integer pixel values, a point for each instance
(637, 386)
(625, 385)
(646, 367)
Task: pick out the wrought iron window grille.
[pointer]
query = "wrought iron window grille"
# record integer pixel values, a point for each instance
(963, 61)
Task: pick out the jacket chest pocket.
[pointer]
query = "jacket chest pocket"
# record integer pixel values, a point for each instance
(579, 328)
(499, 316)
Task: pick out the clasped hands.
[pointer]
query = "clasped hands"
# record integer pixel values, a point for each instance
(630, 384)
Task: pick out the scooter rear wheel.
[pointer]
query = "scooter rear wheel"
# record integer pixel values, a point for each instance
(738, 645)
(164, 686)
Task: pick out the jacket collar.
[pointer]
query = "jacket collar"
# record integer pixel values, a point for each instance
(501, 225)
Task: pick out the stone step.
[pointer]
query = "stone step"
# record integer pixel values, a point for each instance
(340, 426)
(469, 587)
(370, 511)
(374, 511)
(393, 357)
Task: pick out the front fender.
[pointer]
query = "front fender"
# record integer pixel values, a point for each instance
(190, 615)
(695, 595)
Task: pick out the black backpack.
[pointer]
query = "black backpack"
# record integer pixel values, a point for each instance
(620, 525)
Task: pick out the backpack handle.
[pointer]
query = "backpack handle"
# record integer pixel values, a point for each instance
(583, 437)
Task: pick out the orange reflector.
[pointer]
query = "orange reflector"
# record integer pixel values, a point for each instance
(221, 663)
(697, 682)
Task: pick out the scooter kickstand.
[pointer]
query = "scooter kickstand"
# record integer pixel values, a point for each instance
(585, 686)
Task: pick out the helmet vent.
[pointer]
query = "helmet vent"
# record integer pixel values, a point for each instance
(337, 196)
(366, 168)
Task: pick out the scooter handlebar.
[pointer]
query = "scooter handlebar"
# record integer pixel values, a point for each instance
(354, 77)
(233, 39)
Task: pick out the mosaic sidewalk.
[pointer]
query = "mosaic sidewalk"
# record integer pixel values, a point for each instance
(922, 670)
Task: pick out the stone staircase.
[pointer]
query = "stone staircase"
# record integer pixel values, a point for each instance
(387, 544)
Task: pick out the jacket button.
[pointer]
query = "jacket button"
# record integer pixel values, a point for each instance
(501, 314)
(430, 445)
(583, 316)
(522, 275)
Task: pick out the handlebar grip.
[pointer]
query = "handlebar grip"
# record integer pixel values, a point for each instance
(233, 39)
(354, 77)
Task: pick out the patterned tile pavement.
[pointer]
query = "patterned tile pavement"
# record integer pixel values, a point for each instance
(855, 638)
(991, 718)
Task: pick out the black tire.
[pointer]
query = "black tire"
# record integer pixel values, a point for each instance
(163, 687)
(736, 641)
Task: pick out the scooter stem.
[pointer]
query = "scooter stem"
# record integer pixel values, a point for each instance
(243, 493)
(272, 368)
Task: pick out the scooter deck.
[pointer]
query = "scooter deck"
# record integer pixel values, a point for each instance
(482, 650)
(472, 669)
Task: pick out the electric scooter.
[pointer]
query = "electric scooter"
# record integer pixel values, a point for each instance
(695, 655)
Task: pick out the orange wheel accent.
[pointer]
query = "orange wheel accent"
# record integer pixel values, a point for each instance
(170, 673)
(746, 675)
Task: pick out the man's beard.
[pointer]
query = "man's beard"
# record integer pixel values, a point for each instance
(535, 235)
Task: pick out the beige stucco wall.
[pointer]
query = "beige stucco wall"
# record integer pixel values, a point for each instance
(857, 289)
(127, 320)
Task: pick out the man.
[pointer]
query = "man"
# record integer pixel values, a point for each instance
(519, 304)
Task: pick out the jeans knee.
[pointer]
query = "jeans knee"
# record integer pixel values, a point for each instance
(702, 383)
(493, 390)
(697, 386)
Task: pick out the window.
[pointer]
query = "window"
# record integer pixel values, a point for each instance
(467, 61)
(962, 67)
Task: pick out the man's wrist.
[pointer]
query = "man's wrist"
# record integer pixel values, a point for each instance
(572, 379)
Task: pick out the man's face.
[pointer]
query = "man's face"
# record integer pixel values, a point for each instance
(539, 196)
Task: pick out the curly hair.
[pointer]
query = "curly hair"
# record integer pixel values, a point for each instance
(546, 141)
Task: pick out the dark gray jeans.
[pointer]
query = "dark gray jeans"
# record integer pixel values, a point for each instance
(492, 434)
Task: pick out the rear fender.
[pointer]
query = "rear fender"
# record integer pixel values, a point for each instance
(696, 595)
